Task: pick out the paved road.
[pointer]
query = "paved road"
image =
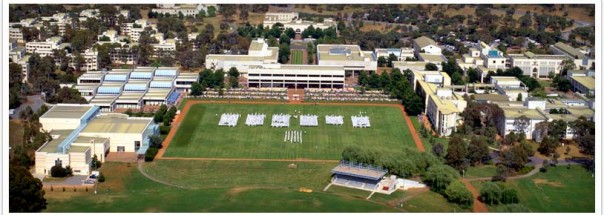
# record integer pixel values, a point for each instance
(35, 102)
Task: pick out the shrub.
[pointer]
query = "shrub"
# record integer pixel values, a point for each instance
(164, 129)
(150, 155)
(439, 177)
(526, 169)
(58, 171)
(490, 193)
(457, 192)
(101, 177)
(509, 196)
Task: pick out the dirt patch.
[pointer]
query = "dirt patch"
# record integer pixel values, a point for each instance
(539, 181)
(237, 190)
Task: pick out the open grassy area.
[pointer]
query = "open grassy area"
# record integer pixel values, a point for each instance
(431, 202)
(297, 56)
(481, 171)
(426, 141)
(200, 136)
(126, 190)
(559, 190)
(545, 83)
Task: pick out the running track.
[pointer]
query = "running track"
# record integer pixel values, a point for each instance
(189, 103)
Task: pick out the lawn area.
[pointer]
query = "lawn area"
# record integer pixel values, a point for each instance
(297, 56)
(559, 190)
(126, 190)
(200, 136)
(481, 171)
(426, 141)
(544, 83)
(431, 202)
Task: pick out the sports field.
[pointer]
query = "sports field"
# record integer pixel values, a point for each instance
(200, 136)
(297, 56)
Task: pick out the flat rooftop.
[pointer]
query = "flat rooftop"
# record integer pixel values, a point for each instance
(365, 172)
(337, 52)
(117, 124)
(87, 139)
(513, 113)
(432, 58)
(491, 97)
(79, 149)
(272, 56)
(51, 147)
(67, 112)
(588, 82)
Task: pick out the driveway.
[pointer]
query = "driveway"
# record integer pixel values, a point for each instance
(35, 102)
(75, 180)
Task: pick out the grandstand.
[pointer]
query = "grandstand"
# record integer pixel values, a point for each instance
(358, 176)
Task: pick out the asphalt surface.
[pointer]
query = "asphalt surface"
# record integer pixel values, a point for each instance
(35, 102)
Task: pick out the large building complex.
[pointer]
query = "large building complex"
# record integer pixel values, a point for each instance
(537, 66)
(292, 20)
(134, 88)
(351, 57)
(580, 58)
(296, 76)
(79, 132)
(259, 53)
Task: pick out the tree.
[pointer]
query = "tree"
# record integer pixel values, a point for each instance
(515, 157)
(95, 163)
(501, 174)
(211, 11)
(548, 145)
(458, 193)
(392, 58)
(155, 141)
(490, 193)
(457, 153)
(25, 191)
(233, 82)
(509, 196)
(438, 149)
(519, 97)
(478, 150)
(381, 61)
(233, 72)
(58, 171)
(101, 177)
(438, 177)
(196, 89)
(284, 53)
(431, 67)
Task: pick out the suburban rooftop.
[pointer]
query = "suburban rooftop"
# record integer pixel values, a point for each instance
(67, 111)
(116, 123)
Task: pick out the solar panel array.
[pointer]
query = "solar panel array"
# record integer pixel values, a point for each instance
(135, 87)
(165, 72)
(140, 75)
(160, 84)
(109, 90)
(116, 78)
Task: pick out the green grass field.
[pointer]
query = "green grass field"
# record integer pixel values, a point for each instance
(559, 190)
(126, 190)
(481, 171)
(297, 56)
(200, 136)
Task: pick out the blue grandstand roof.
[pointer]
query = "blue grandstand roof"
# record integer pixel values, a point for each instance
(173, 97)
(359, 171)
